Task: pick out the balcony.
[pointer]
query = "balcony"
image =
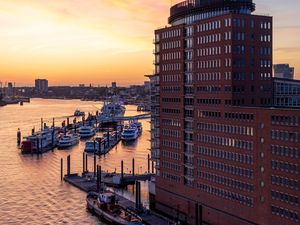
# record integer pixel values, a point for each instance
(189, 153)
(189, 165)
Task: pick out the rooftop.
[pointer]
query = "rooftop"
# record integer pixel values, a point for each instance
(195, 6)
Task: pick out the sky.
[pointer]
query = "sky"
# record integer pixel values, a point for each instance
(99, 41)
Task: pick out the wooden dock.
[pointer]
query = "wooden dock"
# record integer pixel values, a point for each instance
(87, 183)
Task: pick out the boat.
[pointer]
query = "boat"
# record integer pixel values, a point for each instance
(105, 205)
(79, 113)
(68, 140)
(111, 109)
(87, 131)
(130, 132)
(93, 146)
(138, 125)
(40, 141)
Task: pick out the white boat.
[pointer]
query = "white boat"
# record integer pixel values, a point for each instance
(68, 140)
(130, 132)
(79, 113)
(93, 146)
(111, 109)
(87, 131)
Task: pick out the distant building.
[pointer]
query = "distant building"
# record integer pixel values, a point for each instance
(10, 89)
(114, 85)
(41, 86)
(81, 85)
(284, 71)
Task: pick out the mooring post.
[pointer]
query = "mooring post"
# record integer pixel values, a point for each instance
(83, 164)
(61, 169)
(69, 165)
(53, 122)
(19, 137)
(86, 163)
(42, 123)
(152, 166)
(148, 163)
(98, 183)
(68, 121)
(138, 195)
(94, 165)
(32, 131)
(122, 171)
(132, 166)
(100, 176)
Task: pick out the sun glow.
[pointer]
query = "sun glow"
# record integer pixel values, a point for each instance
(96, 41)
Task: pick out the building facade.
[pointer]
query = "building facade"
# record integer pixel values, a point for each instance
(226, 156)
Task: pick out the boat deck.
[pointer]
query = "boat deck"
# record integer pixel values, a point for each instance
(90, 185)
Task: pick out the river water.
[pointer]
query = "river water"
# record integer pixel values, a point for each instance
(30, 188)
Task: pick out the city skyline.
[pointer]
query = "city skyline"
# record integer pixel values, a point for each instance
(97, 42)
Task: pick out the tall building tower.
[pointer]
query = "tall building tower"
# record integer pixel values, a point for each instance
(41, 86)
(225, 156)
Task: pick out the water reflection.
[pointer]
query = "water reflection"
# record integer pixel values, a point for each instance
(30, 189)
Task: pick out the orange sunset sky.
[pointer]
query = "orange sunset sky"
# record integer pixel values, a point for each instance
(98, 41)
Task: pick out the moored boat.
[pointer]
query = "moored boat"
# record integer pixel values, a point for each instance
(40, 141)
(130, 132)
(105, 206)
(79, 113)
(68, 140)
(87, 131)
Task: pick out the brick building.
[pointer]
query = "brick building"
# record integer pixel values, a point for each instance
(225, 155)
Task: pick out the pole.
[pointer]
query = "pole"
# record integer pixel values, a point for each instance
(68, 121)
(83, 164)
(53, 123)
(132, 166)
(148, 163)
(122, 171)
(94, 165)
(152, 166)
(69, 165)
(98, 180)
(61, 168)
(42, 123)
(138, 195)
(19, 137)
(94, 146)
(86, 163)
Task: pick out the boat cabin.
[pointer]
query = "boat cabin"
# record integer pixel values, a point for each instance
(108, 198)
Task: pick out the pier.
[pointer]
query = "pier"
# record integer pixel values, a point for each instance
(93, 181)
